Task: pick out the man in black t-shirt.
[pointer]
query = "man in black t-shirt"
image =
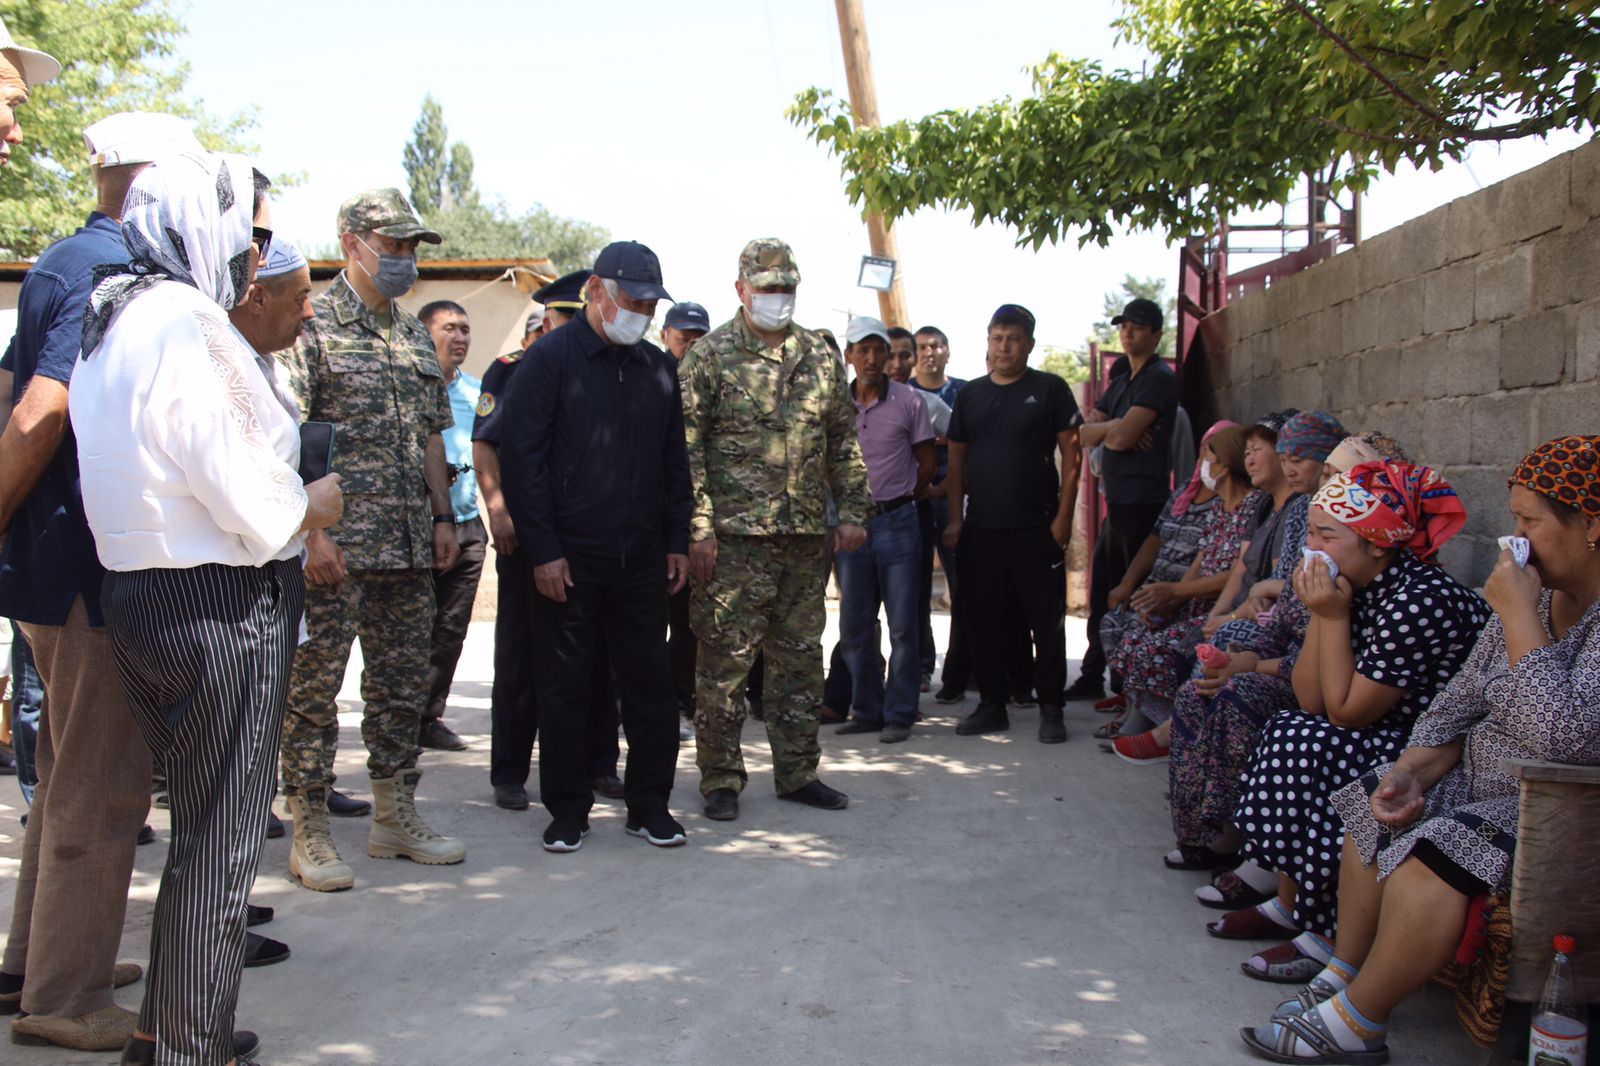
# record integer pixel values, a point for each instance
(1011, 537)
(1133, 424)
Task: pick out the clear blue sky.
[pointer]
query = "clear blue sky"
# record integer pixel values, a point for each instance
(664, 123)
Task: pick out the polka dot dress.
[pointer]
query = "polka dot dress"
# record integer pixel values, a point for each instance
(1414, 626)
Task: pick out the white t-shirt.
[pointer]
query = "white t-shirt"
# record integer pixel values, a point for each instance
(185, 453)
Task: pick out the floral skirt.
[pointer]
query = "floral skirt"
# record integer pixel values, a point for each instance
(1212, 744)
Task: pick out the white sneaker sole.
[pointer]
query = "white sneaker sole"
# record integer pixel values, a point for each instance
(561, 846)
(661, 842)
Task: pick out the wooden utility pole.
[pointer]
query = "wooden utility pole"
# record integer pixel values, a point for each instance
(864, 101)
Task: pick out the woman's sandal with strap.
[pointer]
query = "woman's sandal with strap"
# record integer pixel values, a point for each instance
(1284, 964)
(1300, 1033)
(1248, 923)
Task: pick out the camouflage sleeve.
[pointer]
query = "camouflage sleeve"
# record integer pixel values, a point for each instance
(697, 377)
(303, 361)
(443, 416)
(847, 472)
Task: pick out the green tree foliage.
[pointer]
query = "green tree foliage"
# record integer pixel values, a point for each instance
(458, 175)
(1152, 289)
(1241, 99)
(1065, 363)
(115, 56)
(424, 157)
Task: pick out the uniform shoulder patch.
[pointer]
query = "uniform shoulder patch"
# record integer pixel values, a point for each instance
(485, 404)
(510, 357)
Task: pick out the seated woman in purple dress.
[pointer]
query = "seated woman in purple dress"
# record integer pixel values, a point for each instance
(1426, 833)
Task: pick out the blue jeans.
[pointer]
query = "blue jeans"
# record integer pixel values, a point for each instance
(883, 573)
(27, 700)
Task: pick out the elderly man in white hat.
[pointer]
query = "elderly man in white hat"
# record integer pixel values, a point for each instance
(20, 70)
(94, 768)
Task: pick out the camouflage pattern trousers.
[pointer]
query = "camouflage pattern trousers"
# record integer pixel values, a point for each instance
(766, 593)
(392, 612)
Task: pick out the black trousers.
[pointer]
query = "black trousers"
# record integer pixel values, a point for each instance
(513, 709)
(681, 646)
(453, 592)
(1010, 575)
(1121, 536)
(625, 605)
(204, 656)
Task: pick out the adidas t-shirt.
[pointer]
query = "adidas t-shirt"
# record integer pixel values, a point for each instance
(1010, 434)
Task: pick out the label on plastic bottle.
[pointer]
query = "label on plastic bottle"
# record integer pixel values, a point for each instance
(1556, 1040)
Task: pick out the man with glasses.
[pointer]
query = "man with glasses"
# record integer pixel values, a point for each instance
(368, 366)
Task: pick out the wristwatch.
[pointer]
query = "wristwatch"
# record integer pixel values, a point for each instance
(441, 519)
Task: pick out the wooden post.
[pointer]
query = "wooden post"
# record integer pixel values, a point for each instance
(864, 101)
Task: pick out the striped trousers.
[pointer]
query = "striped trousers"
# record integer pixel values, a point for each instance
(204, 655)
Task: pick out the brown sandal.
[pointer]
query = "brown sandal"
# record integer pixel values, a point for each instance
(1248, 924)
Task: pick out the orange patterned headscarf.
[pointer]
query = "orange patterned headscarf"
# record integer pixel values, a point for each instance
(1566, 470)
(1395, 505)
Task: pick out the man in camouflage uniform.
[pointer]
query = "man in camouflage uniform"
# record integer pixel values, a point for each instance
(368, 366)
(770, 427)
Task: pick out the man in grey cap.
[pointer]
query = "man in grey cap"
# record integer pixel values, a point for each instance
(20, 70)
(368, 366)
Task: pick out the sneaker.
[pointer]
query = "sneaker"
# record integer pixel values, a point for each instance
(254, 915)
(1052, 724)
(661, 829)
(608, 785)
(440, 737)
(1085, 688)
(263, 951)
(894, 733)
(511, 797)
(950, 694)
(1141, 748)
(988, 718)
(816, 794)
(147, 835)
(565, 834)
(722, 804)
(857, 725)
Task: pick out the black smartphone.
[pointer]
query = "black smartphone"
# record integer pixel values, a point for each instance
(316, 450)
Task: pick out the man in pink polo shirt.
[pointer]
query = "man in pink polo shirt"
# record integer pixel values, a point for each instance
(897, 446)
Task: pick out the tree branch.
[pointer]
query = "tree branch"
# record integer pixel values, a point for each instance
(1372, 68)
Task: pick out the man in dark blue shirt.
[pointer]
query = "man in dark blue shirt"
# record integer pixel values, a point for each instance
(94, 784)
(595, 474)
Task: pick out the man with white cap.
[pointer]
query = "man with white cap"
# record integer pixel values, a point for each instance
(94, 767)
(20, 70)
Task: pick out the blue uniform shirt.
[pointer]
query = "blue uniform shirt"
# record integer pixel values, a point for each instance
(49, 557)
(464, 390)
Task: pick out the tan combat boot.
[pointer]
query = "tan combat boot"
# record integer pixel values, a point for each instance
(397, 828)
(313, 860)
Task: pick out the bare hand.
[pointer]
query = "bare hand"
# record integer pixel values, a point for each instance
(1117, 597)
(1240, 662)
(848, 538)
(952, 532)
(1096, 415)
(1061, 531)
(324, 560)
(1324, 596)
(502, 531)
(1213, 623)
(1145, 442)
(937, 491)
(446, 548)
(553, 579)
(1398, 800)
(1512, 588)
(324, 503)
(1156, 597)
(703, 560)
(677, 573)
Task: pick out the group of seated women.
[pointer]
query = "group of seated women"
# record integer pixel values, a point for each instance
(1332, 706)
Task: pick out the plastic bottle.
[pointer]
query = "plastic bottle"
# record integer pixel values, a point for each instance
(1560, 1033)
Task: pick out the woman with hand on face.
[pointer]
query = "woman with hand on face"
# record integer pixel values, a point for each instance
(1388, 629)
(1426, 833)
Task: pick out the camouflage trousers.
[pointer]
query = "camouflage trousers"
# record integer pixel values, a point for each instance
(766, 593)
(392, 612)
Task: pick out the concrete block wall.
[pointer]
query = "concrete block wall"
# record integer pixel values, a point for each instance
(1470, 334)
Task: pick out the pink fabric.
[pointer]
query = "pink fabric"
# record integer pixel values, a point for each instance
(1186, 497)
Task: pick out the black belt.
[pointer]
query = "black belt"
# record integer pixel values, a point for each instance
(893, 505)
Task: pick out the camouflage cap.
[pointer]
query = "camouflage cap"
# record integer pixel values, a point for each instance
(383, 211)
(768, 261)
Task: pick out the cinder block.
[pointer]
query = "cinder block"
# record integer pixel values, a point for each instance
(1447, 298)
(1472, 361)
(1570, 409)
(1585, 168)
(1566, 268)
(1422, 367)
(1325, 339)
(1504, 284)
(1442, 424)
(1380, 375)
(1412, 248)
(1484, 493)
(1533, 350)
(1400, 311)
(1401, 421)
(1359, 319)
(1469, 557)
(1509, 212)
(1336, 280)
(1300, 388)
(1586, 350)
(1501, 425)
(1341, 384)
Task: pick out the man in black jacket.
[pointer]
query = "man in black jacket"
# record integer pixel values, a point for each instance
(596, 478)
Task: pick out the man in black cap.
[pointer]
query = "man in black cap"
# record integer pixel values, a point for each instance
(1133, 425)
(514, 723)
(686, 323)
(596, 474)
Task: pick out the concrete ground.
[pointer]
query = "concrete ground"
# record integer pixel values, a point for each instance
(983, 900)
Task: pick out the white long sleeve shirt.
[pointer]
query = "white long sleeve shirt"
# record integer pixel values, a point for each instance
(185, 454)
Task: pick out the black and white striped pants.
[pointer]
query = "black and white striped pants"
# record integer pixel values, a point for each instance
(204, 655)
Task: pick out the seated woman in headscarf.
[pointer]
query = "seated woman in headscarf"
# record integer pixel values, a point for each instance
(1153, 658)
(1154, 584)
(1388, 629)
(1428, 832)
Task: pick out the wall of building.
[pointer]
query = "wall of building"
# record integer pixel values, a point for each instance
(1470, 334)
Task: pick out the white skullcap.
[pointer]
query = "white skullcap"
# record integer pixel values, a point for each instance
(282, 258)
(139, 137)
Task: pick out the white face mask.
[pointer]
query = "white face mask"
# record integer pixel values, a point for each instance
(629, 327)
(772, 310)
(1207, 478)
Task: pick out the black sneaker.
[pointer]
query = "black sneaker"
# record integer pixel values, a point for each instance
(988, 718)
(342, 806)
(722, 804)
(440, 737)
(661, 829)
(816, 794)
(147, 835)
(857, 725)
(608, 785)
(565, 834)
(1052, 724)
(254, 915)
(1085, 688)
(894, 733)
(511, 797)
(263, 951)
(950, 694)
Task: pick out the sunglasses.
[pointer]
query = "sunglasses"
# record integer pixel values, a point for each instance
(262, 239)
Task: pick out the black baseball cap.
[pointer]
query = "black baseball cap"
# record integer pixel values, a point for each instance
(1141, 312)
(688, 316)
(634, 267)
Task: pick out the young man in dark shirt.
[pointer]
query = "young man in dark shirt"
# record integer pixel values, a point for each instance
(1133, 423)
(1012, 536)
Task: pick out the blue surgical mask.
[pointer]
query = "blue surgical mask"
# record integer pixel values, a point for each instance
(396, 273)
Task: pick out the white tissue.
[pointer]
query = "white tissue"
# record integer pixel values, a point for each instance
(1518, 546)
(1312, 553)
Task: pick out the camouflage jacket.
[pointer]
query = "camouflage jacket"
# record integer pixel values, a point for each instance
(384, 394)
(770, 431)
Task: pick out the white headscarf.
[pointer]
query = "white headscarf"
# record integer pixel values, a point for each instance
(187, 218)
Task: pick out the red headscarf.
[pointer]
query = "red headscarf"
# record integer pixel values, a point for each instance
(1567, 470)
(1180, 506)
(1395, 505)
